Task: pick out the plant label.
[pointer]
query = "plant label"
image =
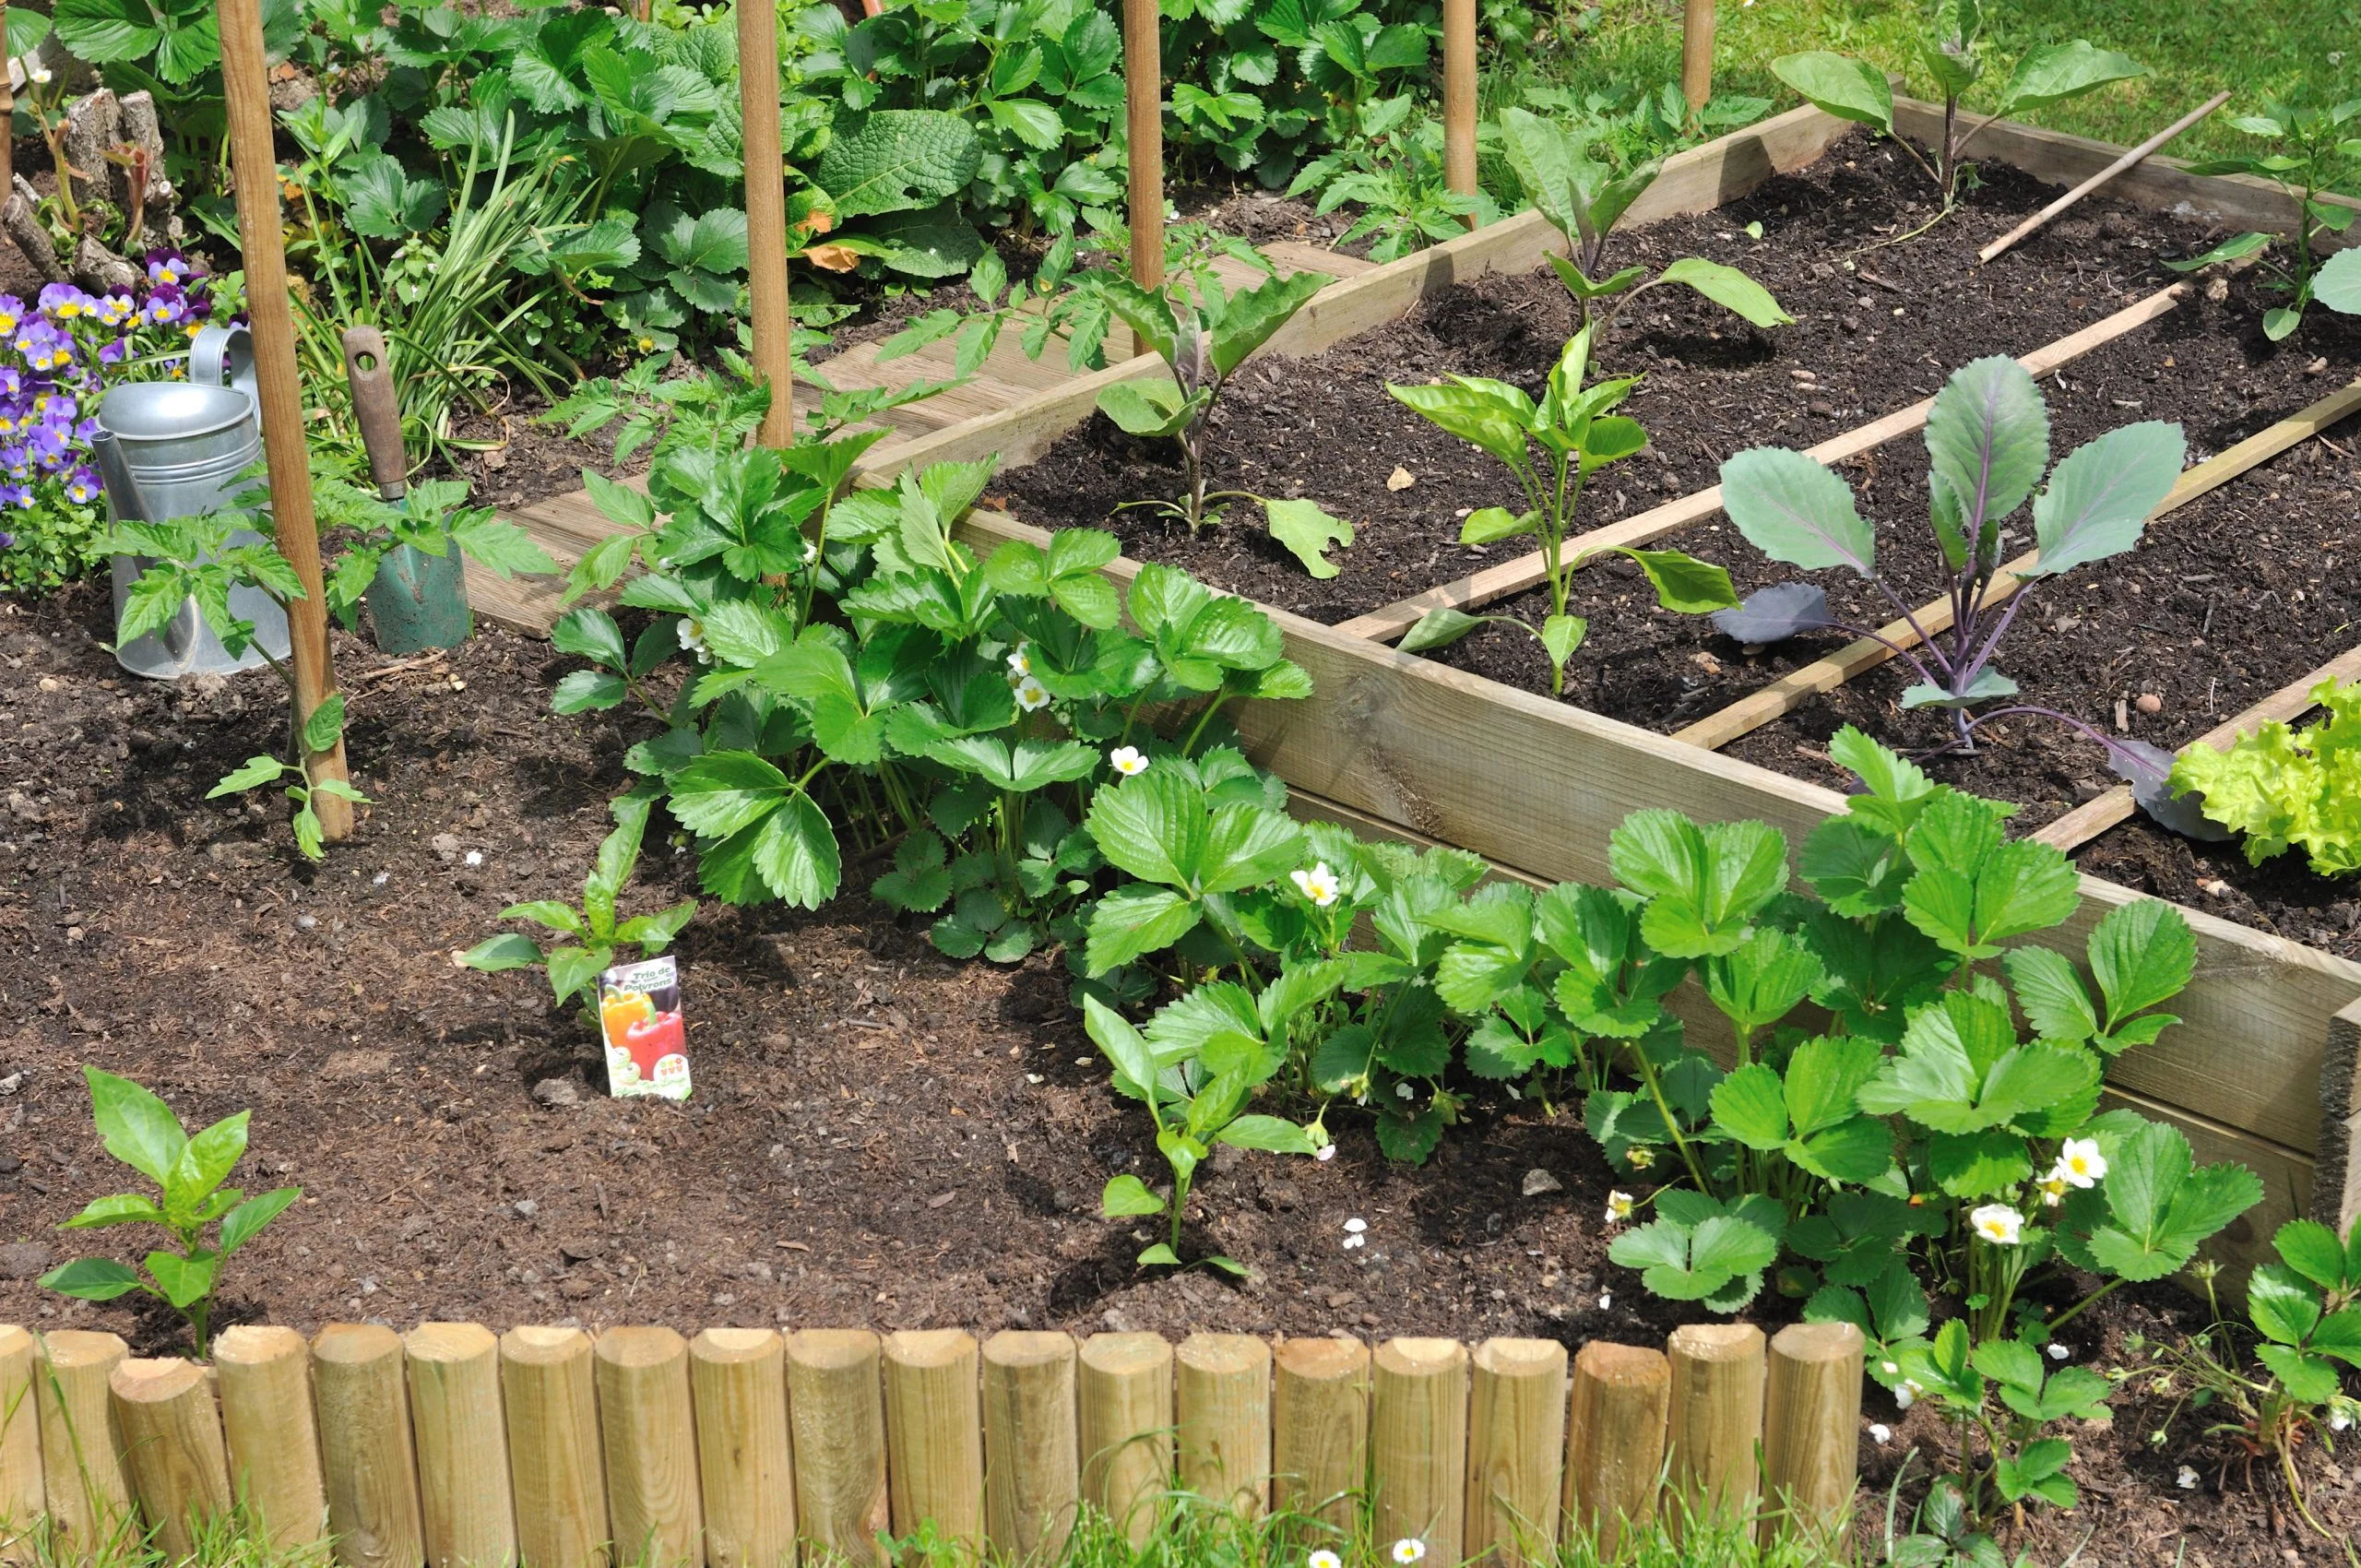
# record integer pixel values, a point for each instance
(639, 1019)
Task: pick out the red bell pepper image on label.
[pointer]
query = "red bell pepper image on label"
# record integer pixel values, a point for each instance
(650, 1040)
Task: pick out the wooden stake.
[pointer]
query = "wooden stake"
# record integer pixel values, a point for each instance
(745, 1455)
(553, 1448)
(758, 94)
(462, 1440)
(81, 1441)
(1459, 98)
(22, 1499)
(1320, 1427)
(1716, 1423)
(2129, 158)
(274, 1443)
(1125, 1390)
(2336, 1190)
(839, 1426)
(934, 1450)
(1516, 1447)
(366, 1459)
(1144, 125)
(245, 84)
(650, 1443)
(1033, 1476)
(1222, 1393)
(1615, 1440)
(1812, 1425)
(1418, 1444)
(171, 1445)
(1696, 53)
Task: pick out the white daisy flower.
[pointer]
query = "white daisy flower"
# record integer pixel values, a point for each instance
(691, 631)
(1881, 1433)
(2186, 1479)
(1409, 1549)
(1031, 696)
(1127, 761)
(1318, 884)
(1618, 1208)
(1324, 1559)
(2079, 1163)
(1998, 1224)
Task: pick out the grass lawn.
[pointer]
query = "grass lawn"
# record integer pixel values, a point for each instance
(2255, 48)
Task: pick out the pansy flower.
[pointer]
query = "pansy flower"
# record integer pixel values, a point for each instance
(168, 269)
(15, 495)
(12, 315)
(82, 486)
(64, 302)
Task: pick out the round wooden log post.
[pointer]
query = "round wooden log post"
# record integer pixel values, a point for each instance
(934, 1433)
(1459, 98)
(23, 1499)
(1715, 1429)
(1222, 1393)
(1697, 53)
(1320, 1427)
(1615, 1438)
(471, 1521)
(650, 1441)
(546, 1380)
(758, 95)
(1516, 1449)
(839, 1421)
(81, 1442)
(1032, 1460)
(1811, 1423)
(1144, 127)
(246, 85)
(1418, 1444)
(171, 1447)
(1125, 1393)
(738, 1377)
(366, 1459)
(266, 1378)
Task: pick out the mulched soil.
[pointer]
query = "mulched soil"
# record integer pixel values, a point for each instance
(2228, 598)
(880, 1135)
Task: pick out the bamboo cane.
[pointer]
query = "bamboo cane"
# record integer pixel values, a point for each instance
(1459, 98)
(1697, 54)
(766, 218)
(1144, 121)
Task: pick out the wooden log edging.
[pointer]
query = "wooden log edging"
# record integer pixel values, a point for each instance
(1458, 1450)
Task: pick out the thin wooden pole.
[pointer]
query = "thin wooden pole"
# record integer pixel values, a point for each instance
(245, 84)
(2130, 157)
(1615, 1440)
(1812, 1425)
(1320, 1427)
(1516, 1449)
(553, 1447)
(1144, 126)
(839, 1421)
(470, 1518)
(744, 1455)
(1125, 1392)
(1222, 1392)
(171, 1443)
(934, 1438)
(366, 1458)
(1033, 1466)
(1459, 98)
(758, 94)
(265, 1376)
(81, 1441)
(22, 1499)
(1697, 54)
(1418, 1444)
(1716, 1422)
(650, 1441)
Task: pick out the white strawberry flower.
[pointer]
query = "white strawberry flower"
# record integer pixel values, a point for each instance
(1324, 1153)
(1127, 761)
(1907, 1394)
(2079, 1163)
(691, 631)
(811, 552)
(1020, 664)
(1881, 1433)
(1031, 696)
(1998, 1224)
(2185, 1478)
(1639, 1156)
(1318, 884)
(1618, 1208)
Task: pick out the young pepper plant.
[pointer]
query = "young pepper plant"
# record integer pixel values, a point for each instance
(1583, 197)
(141, 1131)
(1577, 435)
(2315, 151)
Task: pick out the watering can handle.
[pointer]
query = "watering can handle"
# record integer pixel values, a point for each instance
(375, 405)
(224, 356)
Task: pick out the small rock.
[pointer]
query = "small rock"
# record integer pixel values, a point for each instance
(525, 1208)
(9, 1164)
(574, 1288)
(13, 1082)
(1400, 479)
(557, 1093)
(1538, 1181)
(2149, 703)
(306, 922)
(24, 1260)
(1281, 1195)
(2218, 290)
(582, 1248)
(2065, 623)
(446, 847)
(1820, 407)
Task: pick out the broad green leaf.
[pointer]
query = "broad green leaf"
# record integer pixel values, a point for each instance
(185, 1280)
(1987, 438)
(241, 1223)
(1133, 921)
(1488, 525)
(1126, 1195)
(2142, 954)
(1308, 531)
(2337, 284)
(1750, 1107)
(1133, 1060)
(506, 951)
(2057, 71)
(2311, 1249)
(720, 793)
(1839, 85)
(1147, 406)
(2100, 497)
(896, 159)
(1272, 1135)
(2051, 993)
(1728, 287)
(1436, 628)
(1155, 826)
(1792, 509)
(137, 1128)
(1476, 413)
(252, 774)
(125, 1209)
(92, 1279)
(2283, 1304)
(205, 1162)
(1683, 582)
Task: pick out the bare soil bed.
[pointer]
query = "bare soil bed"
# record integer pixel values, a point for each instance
(880, 1135)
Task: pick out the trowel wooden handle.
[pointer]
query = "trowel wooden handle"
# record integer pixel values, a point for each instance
(374, 405)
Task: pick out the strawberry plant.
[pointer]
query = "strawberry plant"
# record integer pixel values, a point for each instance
(141, 1131)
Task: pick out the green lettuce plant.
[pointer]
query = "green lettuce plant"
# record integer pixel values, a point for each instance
(140, 1130)
(1952, 49)
(1575, 432)
(2284, 788)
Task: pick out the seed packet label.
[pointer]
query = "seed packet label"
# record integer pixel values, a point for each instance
(648, 1044)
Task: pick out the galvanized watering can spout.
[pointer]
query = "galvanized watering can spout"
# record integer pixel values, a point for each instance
(115, 475)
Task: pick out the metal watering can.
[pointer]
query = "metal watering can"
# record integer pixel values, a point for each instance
(181, 446)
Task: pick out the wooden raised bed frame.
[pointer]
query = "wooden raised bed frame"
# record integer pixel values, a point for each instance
(2261, 1070)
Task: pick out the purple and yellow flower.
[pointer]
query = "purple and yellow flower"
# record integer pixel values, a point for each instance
(17, 495)
(82, 485)
(64, 302)
(169, 268)
(12, 315)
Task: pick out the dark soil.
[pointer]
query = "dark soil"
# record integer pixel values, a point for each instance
(880, 1135)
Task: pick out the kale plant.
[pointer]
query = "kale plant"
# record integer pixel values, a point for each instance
(2314, 149)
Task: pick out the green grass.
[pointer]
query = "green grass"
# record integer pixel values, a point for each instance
(2256, 49)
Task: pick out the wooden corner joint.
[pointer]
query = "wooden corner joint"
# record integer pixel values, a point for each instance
(2336, 1185)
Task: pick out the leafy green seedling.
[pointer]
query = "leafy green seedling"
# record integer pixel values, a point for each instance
(141, 1131)
(1700, 1249)
(430, 518)
(2314, 150)
(1577, 435)
(321, 732)
(574, 965)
